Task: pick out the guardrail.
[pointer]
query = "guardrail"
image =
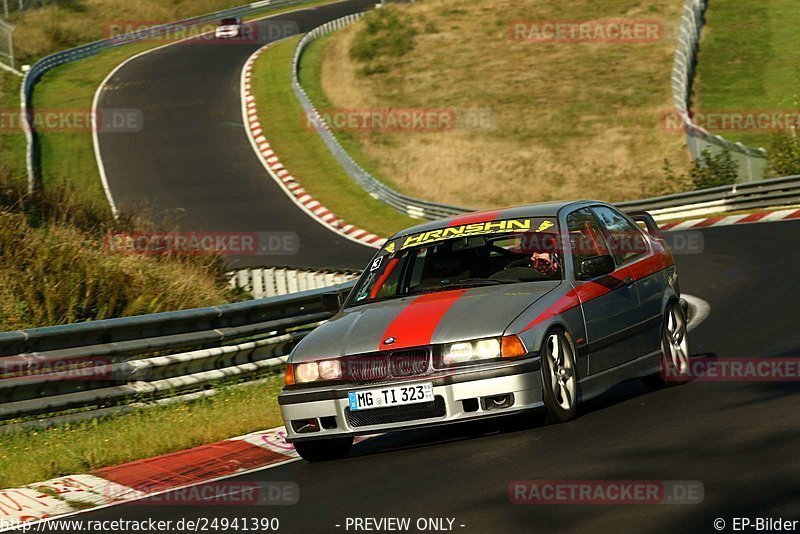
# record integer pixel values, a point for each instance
(99, 365)
(752, 162)
(414, 207)
(74, 54)
(761, 194)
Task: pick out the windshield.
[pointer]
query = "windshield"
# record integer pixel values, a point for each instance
(229, 22)
(472, 255)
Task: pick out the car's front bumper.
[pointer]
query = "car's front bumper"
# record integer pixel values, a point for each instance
(461, 396)
(226, 34)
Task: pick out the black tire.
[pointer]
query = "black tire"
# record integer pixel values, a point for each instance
(559, 386)
(323, 450)
(674, 365)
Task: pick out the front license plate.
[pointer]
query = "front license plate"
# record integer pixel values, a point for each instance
(391, 396)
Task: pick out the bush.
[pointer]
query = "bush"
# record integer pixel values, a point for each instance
(784, 155)
(711, 170)
(386, 34)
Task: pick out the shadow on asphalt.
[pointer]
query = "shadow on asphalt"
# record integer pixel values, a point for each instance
(508, 424)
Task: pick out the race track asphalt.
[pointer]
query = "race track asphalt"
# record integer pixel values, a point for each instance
(192, 163)
(741, 440)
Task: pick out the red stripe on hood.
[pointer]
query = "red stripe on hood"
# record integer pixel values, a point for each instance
(472, 218)
(414, 326)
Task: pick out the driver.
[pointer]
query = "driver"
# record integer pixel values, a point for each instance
(544, 256)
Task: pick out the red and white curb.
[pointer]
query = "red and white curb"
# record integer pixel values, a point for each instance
(149, 477)
(762, 216)
(281, 175)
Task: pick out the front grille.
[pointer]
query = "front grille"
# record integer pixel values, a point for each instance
(408, 362)
(397, 414)
(367, 367)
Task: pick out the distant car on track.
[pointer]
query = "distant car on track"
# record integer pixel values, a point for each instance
(488, 314)
(229, 28)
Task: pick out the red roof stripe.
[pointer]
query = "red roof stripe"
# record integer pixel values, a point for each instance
(472, 218)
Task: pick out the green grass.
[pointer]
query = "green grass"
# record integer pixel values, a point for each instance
(38, 455)
(12, 140)
(302, 151)
(749, 60)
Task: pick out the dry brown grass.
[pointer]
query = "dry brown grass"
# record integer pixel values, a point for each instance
(55, 267)
(571, 120)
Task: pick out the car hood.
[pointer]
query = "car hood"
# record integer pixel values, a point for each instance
(418, 320)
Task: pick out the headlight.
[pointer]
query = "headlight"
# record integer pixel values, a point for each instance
(330, 370)
(486, 349)
(306, 372)
(469, 351)
(321, 370)
(482, 349)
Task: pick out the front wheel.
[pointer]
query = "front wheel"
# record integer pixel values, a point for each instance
(559, 377)
(323, 450)
(675, 359)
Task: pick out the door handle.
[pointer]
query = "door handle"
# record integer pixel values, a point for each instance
(628, 280)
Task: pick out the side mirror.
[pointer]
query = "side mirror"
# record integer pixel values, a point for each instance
(332, 302)
(596, 266)
(645, 220)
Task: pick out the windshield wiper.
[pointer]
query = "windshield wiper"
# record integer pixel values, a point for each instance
(467, 282)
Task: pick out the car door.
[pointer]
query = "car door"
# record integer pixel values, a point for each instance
(635, 252)
(610, 303)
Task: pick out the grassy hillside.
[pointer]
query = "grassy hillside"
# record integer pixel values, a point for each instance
(749, 62)
(570, 119)
(55, 266)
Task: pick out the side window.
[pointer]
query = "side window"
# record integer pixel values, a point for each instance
(626, 238)
(585, 236)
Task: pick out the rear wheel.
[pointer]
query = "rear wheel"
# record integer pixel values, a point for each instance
(675, 358)
(559, 377)
(323, 450)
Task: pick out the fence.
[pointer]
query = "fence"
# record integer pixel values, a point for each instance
(751, 162)
(414, 207)
(96, 367)
(80, 52)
